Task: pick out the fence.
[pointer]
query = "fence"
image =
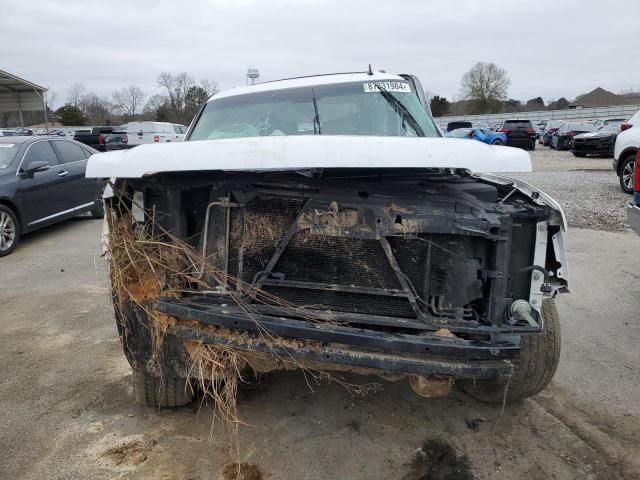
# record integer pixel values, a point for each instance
(576, 114)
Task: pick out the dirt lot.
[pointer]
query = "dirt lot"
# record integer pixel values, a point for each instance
(67, 410)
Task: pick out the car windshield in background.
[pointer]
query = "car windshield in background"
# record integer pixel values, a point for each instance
(578, 127)
(7, 154)
(354, 108)
(554, 124)
(460, 133)
(610, 127)
(518, 124)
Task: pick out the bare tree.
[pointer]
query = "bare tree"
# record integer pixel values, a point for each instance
(98, 110)
(51, 99)
(129, 100)
(177, 89)
(75, 92)
(154, 105)
(486, 85)
(209, 86)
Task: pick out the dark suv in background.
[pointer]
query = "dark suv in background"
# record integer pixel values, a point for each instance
(520, 133)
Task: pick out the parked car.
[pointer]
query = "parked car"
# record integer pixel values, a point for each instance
(633, 210)
(95, 136)
(609, 121)
(549, 130)
(601, 142)
(355, 229)
(8, 133)
(155, 132)
(117, 140)
(481, 134)
(625, 150)
(520, 133)
(561, 139)
(458, 124)
(42, 181)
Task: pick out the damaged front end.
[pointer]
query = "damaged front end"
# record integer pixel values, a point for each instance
(428, 272)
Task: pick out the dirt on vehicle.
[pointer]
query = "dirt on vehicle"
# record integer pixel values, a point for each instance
(68, 411)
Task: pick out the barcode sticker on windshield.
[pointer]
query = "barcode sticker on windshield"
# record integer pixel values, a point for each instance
(388, 86)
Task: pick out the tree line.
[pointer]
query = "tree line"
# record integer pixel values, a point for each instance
(181, 96)
(483, 89)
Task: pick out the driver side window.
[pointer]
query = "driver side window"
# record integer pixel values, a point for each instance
(42, 152)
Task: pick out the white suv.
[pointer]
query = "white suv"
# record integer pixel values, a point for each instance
(624, 154)
(155, 132)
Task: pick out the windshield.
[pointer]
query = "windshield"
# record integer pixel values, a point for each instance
(355, 108)
(460, 133)
(7, 154)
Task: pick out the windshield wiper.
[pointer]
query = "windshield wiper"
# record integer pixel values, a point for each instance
(400, 108)
(317, 130)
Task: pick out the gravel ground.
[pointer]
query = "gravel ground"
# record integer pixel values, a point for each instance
(587, 188)
(67, 409)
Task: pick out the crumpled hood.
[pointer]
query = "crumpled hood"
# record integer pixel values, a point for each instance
(264, 154)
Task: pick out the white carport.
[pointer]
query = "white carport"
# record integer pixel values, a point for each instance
(19, 95)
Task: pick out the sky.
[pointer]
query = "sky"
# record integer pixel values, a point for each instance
(548, 48)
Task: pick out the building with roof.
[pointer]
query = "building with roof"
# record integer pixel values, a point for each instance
(20, 95)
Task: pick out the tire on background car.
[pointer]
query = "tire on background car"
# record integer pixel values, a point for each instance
(626, 173)
(161, 392)
(532, 370)
(9, 230)
(98, 206)
(579, 154)
(497, 142)
(533, 145)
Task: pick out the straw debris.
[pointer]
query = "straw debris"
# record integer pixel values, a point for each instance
(147, 262)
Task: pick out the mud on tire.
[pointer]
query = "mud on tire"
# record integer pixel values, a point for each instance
(161, 392)
(532, 371)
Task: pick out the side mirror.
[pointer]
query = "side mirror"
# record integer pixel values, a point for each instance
(37, 166)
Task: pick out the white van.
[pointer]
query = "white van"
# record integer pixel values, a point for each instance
(155, 132)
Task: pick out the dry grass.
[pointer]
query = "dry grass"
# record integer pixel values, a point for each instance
(147, 262)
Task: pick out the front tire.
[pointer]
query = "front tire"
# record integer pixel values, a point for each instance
(532, 370)
(160, 392)
(497, 142)
(626, 174)
(579, 154)
(9, 231)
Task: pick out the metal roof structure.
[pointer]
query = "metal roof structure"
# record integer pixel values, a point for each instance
(19, 95)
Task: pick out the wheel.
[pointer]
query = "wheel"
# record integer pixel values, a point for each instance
(533, 145)
(579, 154)
(497, 142)
(9, 230)
(532, 370)
(626, 173)
(98, 206)
(161, 392)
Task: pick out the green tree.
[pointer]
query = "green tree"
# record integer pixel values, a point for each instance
(195, 97)
(439, 106)
(70, 115)
(164, 113)
(512, 105)
(535, 104)
(559, 104)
